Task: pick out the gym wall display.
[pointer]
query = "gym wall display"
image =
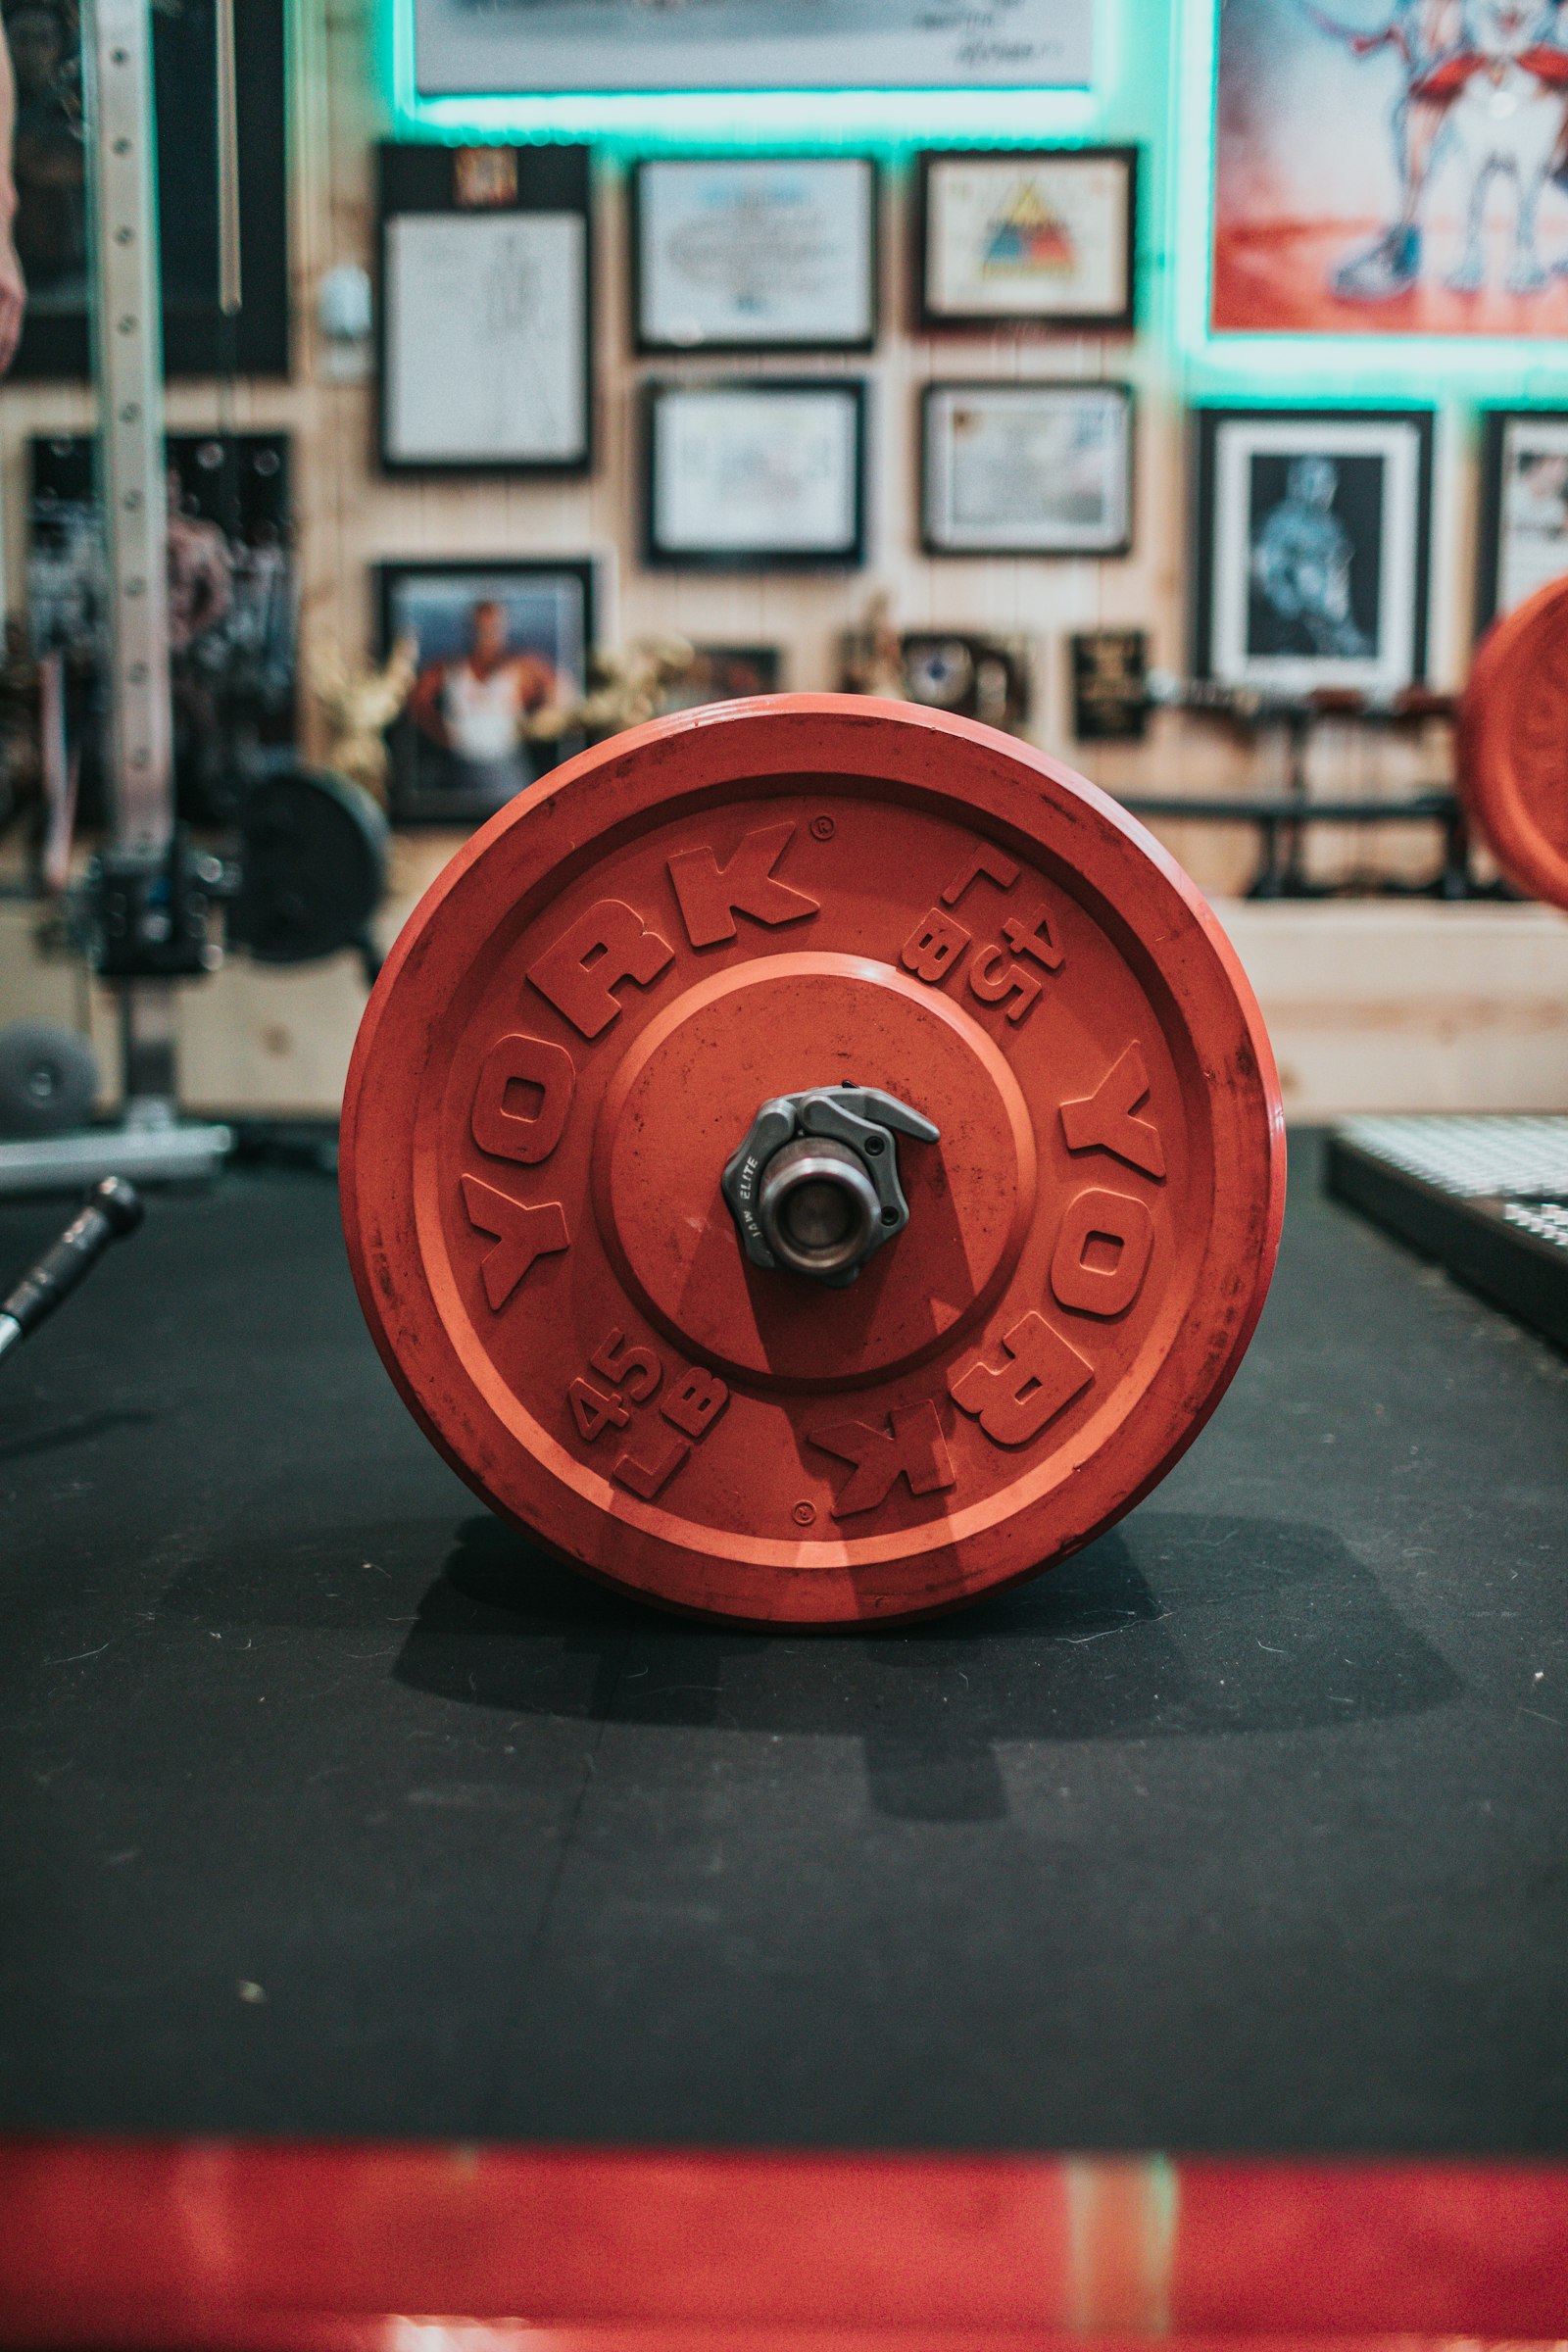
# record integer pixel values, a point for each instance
(1381, 173)
(756, 471)
(754, 253)
(495, 643)
(1524, 506)
(598, 45)
(50, 170)
(1313, 548)
(232, 607)
(1043, 237)
(486, 310)
(1026, 469)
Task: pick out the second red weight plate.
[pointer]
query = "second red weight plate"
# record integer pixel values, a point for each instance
(1513, 743)
(575, 1031)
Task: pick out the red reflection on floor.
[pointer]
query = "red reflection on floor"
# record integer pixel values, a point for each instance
(248, 2248)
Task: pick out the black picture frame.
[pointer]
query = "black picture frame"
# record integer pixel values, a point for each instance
(1306, 432)
(651, 344)
(1009, 391)
(416, 177)
(52, 214)
(417, 793)
(1495, 591)
(933, 317)
(847, 554)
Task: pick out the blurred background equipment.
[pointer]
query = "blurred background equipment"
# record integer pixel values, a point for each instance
(48, 1079)
(112, 1210)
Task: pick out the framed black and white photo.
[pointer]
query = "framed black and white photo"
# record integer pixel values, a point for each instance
(756, 470)
(754, 253)
(535, 46)
(495, 642)
(1313, 548)
(1044, 237)
(1524, 506)
(486, 310)
(1026, 469)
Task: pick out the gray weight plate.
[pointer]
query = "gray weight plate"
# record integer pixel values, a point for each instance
(48, 1079)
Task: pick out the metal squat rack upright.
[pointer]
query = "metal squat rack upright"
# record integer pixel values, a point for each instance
(149, 890)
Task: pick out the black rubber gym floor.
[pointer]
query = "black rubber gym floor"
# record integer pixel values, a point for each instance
(326, 1807)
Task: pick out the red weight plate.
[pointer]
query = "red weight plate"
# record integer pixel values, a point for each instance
(575, 1031)
(1513, 743)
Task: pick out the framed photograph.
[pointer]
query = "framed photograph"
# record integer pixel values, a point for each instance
(495, 642)
(232, 607)
(1313, 548)
(486, 310)
(1043, 237)
(750, 472)
(534, 46)
(1387, 173)
(727, 673)
(754, 253)
(1026, 469)
(1524, 506)
(51, 179)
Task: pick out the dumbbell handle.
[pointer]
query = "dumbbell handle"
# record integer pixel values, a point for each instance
(110, 1210)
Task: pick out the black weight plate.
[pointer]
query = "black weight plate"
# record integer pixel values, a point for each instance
(48, 1080)
(312, 859)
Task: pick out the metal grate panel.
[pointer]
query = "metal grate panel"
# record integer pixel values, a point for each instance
(1473, 1158)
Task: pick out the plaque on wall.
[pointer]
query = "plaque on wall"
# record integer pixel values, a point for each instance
(754, 253)
(1026, 469)
(1109, 685)
(1043, 237)
(751, 472)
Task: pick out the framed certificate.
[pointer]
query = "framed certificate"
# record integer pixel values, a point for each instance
(1524, 506)
(485, 312)
(754, 253)
(761, 471)
(1026, 469)
(1028, 237)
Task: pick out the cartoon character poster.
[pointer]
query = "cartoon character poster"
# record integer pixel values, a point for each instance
(1392, 167)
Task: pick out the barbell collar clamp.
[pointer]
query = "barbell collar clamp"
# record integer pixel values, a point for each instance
(814, 1186)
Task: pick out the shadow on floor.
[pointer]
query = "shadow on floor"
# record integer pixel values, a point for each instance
(1177, 1626)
